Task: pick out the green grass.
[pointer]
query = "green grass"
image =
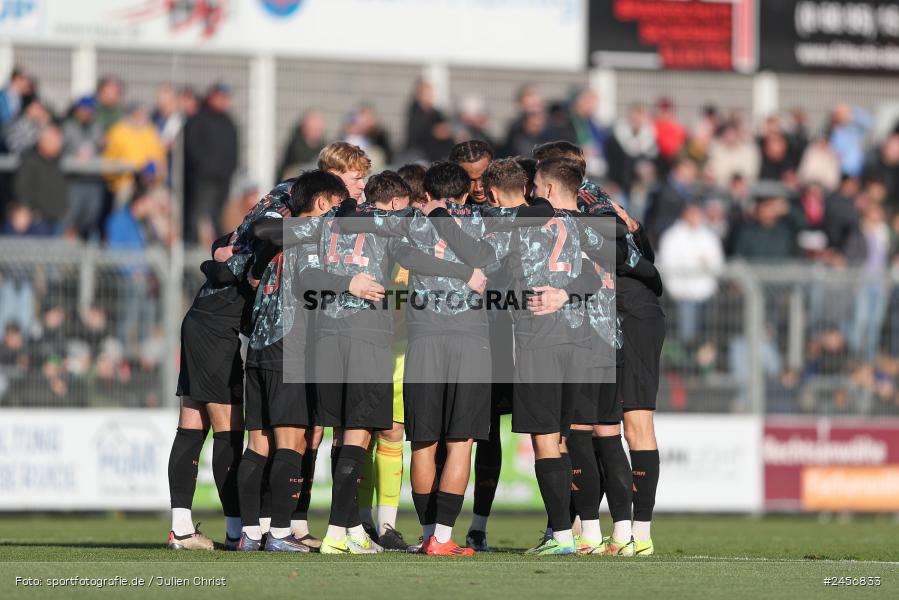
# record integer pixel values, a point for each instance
(699, 557)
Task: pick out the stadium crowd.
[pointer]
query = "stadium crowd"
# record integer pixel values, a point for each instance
(708, 188)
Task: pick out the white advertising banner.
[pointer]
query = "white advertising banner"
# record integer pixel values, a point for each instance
(118, 460)
(709, 463)
(524, 33)
(85, 459)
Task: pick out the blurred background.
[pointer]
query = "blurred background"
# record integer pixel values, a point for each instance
(757, 140)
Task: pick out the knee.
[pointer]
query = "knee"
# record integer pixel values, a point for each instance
(259, 443)
(394, 434)
(314, 437)
(639, 433)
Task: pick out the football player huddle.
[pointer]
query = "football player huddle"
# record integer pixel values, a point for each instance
(419, 306)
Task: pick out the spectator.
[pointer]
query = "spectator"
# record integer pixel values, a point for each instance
(12, 350)
(848, 128)
(776, 159)
(237, 208)
(373, 131)
(820, 164)
(632, 142)
(361, 128)
(306, 140)
(22, 133)
(210, 139)
(13, 95)
(83, 138)
(128, 229)
(473, 120)
(188, 103)
(670, 134)
(428, 133)
(871, 298)
(109, 102)
(883, 166)
(797, 134)
(166, 116)
(16, 288)
(690, 255)
(733, 154)
(841, 224)
(771, 233)
(40, 183)
(584, 131)
(530, 126)
(134, 141)
(667, 202)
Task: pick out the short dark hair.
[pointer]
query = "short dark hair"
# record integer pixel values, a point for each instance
(385, 186)
(312, 185)
(563, 149)
(471, 151)
(506, 175)
(414, 176)
(563, 171)
(446, 179)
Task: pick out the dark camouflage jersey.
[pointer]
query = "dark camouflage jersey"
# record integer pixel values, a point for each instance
(273, 204)
(552, 255)
(275, 310)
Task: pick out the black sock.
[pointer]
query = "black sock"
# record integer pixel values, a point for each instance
(227, 446)
(249, 485)
(287, 481)
(448, 507)
(618, 481)
(335, 454)
(554, 481)
(265, 492)
(344, 511)
(301, 512)
(645, 468)
(602, 476)
(585, 475)
(184, 460)
(488, 461)
(425, 507)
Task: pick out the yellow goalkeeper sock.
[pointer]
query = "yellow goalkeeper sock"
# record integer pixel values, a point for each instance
(389, 469)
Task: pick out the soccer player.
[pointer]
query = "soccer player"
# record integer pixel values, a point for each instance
(382, 472)
(278, 410)
(553, 347)
(353, 355)
(445, 184)
(348, 162)
(642, 331)
(505, 185)
(211, 392)
(473, 156)
(211, 386)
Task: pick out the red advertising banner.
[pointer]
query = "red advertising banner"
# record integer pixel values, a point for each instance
(831, 464)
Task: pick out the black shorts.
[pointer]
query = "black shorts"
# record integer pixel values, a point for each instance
(599, 403)
(211, 367)
(550, 388)
(354, 382)
(502, 351)
(641, 349)
(446, 388)
(273, 403)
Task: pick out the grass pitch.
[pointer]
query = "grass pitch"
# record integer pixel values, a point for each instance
(697, 557)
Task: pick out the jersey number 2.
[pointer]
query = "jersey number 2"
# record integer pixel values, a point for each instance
(555, 265)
